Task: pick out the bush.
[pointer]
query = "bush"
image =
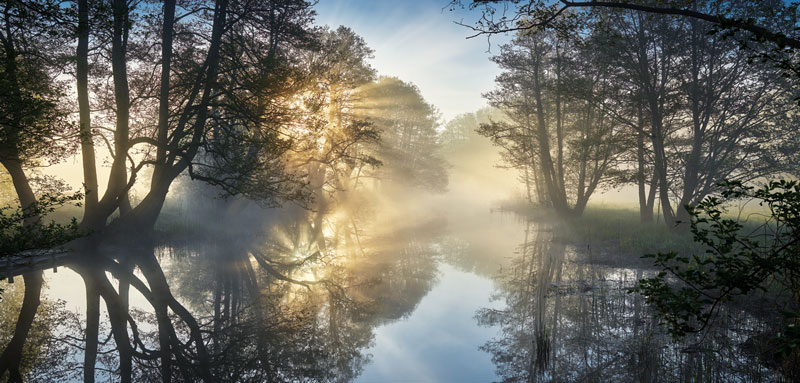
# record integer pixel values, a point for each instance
(737, 262)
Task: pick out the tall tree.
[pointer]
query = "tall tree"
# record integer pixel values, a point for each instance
(33, 127)
(713, 114)
(213, 57)
(409, 149)
(550, 90)
(696, 107)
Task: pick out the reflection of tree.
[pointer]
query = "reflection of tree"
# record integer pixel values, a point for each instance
(568, 320)
(45, 357)
(398, 272)
(243, 307)
(279, 308)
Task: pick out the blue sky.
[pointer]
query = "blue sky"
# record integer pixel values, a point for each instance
(417, 41)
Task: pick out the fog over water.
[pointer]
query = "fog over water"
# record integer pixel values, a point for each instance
(399, 191)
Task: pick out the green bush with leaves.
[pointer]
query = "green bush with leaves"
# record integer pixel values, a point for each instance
(740, 260)
(23, 230)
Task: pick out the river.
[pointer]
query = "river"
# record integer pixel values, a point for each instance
(457, 296)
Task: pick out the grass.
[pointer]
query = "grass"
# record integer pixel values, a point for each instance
(616, 229)
(621, 229)
(615, 234)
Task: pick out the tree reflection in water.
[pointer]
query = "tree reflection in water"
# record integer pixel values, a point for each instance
(295, 304)
(47, 355)
(568, 319)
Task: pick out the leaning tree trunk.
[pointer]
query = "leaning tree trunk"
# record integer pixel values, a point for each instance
(11, 358)
(645, 198)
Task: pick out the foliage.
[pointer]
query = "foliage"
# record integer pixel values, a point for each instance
(328, 138)
(248, 96)
(563, 319)
(244, 148)
(47, 355)
(737, 262)
(33, 115)
(671, 96)
(23, 230)
(409, 146)
(552, 89)
(771, 35)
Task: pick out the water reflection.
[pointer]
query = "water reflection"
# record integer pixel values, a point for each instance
(567, 319)
(295, 299)
(47, 355)
(296, 305)
(307, 298)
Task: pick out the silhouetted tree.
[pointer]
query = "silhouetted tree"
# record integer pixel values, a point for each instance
(409, 148)
(551, 90)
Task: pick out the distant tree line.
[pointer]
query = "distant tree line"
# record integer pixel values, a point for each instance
(598, 95)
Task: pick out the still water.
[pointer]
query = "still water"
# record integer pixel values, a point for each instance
(468, 297)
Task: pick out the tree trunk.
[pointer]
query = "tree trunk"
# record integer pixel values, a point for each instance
(144, 216)
(162, 301)
(651, 194)
(163, 101)
(645, 206)
(161, 298)
(528, 181)
(558, 200)
(11, 358)
(663, 185)
(691, 171)
(85, 127)
(116, 193)
(118, 317)
(559, 127)
(654, 94)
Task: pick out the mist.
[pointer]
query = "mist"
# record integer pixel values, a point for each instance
(350, 191)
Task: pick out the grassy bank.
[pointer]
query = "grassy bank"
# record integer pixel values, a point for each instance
(616, 233)
(621, 230)
(612, 234)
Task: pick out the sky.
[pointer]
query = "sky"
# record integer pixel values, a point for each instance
(440, 341)
(418, 42)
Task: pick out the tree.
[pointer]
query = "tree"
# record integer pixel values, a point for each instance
(44, 349)
(33, 126)
(248, 138)
(329, 137)
(726, 126)
(538, 13)
(551, 90)
(409, 148)
(169, 125)
(695, 107)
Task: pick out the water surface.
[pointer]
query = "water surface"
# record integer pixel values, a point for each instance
(470, 297)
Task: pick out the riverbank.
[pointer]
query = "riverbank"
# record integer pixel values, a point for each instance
(611, 228)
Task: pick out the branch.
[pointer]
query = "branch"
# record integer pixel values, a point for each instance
(762, 33)
(142, 140)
